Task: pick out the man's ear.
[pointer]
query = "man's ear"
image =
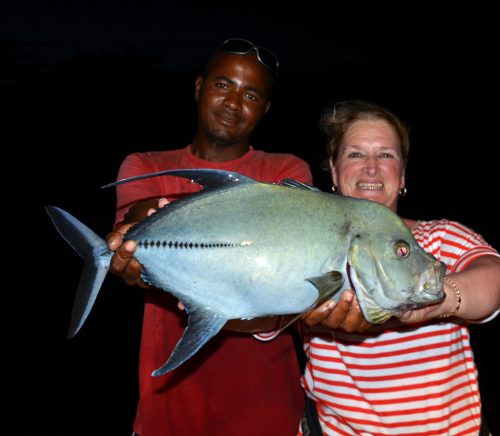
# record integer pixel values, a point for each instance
(268, 106)
(197, 87)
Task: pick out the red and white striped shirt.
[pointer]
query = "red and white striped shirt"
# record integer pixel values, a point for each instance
(401, 379)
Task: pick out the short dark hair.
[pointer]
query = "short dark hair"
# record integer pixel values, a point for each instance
(271, 77)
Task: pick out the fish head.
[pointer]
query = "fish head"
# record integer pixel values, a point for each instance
(391, 273)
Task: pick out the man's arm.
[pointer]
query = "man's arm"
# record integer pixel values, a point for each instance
(345, 315)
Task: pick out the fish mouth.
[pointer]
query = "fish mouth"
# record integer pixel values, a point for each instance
(432, 283)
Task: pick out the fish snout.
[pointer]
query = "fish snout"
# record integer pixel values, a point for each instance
(440, 270)
(432, 283)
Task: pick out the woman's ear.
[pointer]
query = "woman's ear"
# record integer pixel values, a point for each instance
(402, 182)
(333, 172)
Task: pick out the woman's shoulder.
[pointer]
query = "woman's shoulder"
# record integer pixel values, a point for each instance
(448, 232)
(442, 225)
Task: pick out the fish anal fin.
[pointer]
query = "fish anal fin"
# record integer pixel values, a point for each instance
(202, 326)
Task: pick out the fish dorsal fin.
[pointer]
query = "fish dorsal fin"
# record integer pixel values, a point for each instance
(292, 183)
(202, 326)
(211, 180)
(208, 178)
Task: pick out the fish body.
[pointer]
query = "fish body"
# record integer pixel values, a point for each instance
(241, 249)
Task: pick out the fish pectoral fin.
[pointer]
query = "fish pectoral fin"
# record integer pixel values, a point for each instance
(327, 284)
(200, 329)
(289, 323)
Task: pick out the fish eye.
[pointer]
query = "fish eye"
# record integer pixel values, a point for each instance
(402, 249)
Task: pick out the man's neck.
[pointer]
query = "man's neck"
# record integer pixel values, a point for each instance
(218, 153)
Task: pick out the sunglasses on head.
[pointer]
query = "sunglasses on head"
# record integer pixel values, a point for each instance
(242, 46)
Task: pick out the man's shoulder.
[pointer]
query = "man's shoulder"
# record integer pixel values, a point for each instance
(156, 157)
(156, 154)
(277, 156)
(271, 166)
(270, 153)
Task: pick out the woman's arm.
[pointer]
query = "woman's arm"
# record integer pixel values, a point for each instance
(478, 288)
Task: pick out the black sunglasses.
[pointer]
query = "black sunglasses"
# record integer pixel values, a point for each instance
(242, 46)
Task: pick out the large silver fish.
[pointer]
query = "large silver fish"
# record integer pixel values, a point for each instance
(241, 249)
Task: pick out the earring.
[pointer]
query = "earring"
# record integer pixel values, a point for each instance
(403, 191)
(334, 188)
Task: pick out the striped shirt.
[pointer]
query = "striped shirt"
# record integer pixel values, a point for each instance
(400, 379)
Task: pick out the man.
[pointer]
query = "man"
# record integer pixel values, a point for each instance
(235, 385)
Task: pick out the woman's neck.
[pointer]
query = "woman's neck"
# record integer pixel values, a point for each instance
(410, 223)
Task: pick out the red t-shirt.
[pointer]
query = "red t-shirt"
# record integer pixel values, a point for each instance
(235, 385)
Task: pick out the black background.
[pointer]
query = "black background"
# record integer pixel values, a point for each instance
(85, 83)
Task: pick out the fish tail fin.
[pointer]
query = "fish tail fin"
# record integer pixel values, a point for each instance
(96, 255)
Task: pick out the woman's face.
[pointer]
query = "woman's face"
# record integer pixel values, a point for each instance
(370, 164)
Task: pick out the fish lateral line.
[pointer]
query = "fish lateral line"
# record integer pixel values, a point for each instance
(191, 245)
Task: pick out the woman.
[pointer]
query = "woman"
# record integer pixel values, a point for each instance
(413, 375)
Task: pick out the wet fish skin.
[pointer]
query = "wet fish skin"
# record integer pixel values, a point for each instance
(241, 249)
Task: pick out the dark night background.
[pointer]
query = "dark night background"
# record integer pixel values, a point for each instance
(84, 83)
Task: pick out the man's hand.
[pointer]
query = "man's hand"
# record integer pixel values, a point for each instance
(345, 315)
(123, 263)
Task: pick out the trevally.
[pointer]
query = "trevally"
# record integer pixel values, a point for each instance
(242, 249)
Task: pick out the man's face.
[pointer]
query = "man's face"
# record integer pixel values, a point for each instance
(232, 98)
